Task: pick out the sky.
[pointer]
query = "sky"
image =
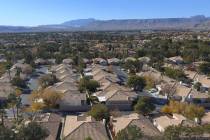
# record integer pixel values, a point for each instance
(43, 12)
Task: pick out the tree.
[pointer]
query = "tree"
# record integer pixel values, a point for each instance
(197, 86)
(191, 111)
(133, 66)
(172, 133)
(6, 134)
(136, 82)
(49, 98)
(175, 73)
(204, 68)
(33, 131)
(18, 82)
(47, 80)
(2, 112)
(8, 67)
(168, 91)
(131, 132)
(88, 138)
(14, 101)
(92, 86)
(89, 85)
(150, 82)
(99, 112)
(144, 106)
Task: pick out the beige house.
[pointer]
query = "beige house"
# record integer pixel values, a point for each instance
(5, 90)
(73, 100)
(116, 96)
(110, 92)
(163, 122)
(51, 122)
(81, 127)
(134, 119)
(206, 118)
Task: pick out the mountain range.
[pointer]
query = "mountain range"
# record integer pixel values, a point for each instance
(199, 22)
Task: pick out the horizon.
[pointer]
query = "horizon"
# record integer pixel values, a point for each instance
(39, 12)
(103, 20)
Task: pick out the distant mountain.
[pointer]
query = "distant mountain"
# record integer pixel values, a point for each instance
(193, 23)
(79, 22)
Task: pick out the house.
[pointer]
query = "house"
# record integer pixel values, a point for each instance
(86, 61)
(72, 100)
(5, 90)
(51, 122)
(99, 73)
(67, 61)
(176, 60)
(190, 74)
(198, 97)
(162, 122)
(206, 118)
(182, 91)
(113, 61)
(144, 60)
(100, 61)
(130, 59)
(204, 80)
(133, 119)
(81, 127)
(2, 58)
(116, 96)
(51, 61)
(40, 61)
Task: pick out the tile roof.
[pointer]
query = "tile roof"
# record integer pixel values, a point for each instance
(81, 127)
(51, 122)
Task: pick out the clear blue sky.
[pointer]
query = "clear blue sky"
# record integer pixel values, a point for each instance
(39, 12)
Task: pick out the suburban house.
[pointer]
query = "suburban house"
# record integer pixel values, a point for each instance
(133, 119)
(113, 61)
(52, 122)
(206, 118)
(144, 60)
(176, 60)
(40, 61)
(68, 61)
(100, 61)
(199, 98)
(5, 90)
(72, 100)
(81, 127)
(116, 96)
(182, 91)
(203, 79)
(162, 122)
(110, 92)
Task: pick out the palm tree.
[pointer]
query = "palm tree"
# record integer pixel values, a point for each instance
(8, 67)
(2, 112)
(14, 101)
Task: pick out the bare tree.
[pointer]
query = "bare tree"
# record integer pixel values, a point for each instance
(168, 90)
